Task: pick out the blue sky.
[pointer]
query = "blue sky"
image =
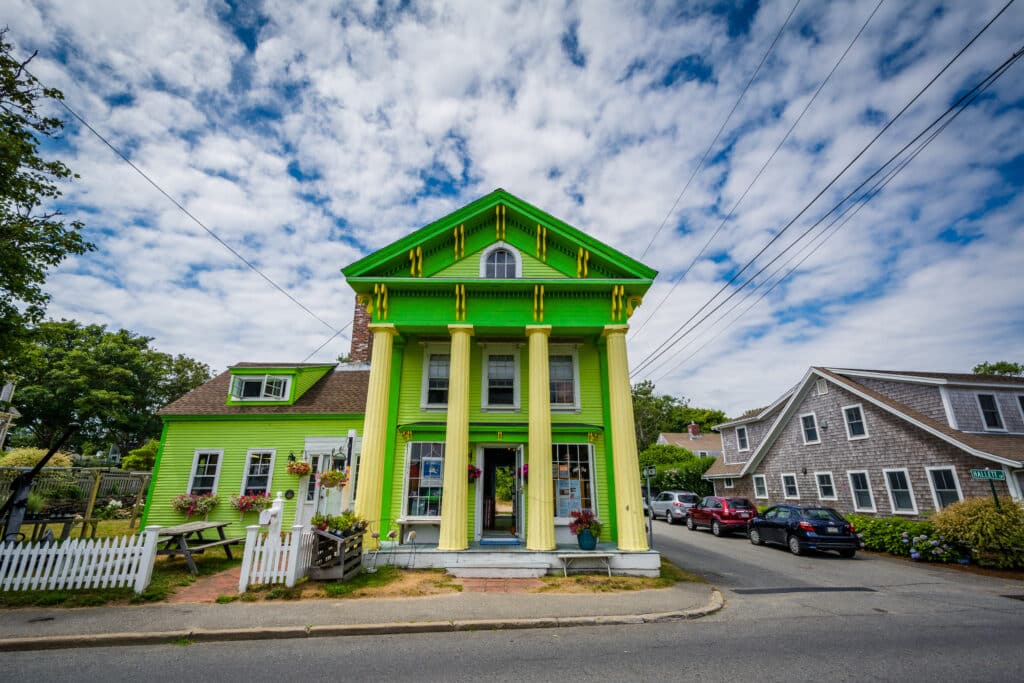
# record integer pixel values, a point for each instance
(309, 134)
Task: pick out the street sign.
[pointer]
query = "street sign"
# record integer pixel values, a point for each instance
(989, 475)
(650, 471)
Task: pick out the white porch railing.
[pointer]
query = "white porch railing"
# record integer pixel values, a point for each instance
(78, 563)
(275, 557)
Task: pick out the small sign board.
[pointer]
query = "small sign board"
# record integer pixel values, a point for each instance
(989, 475)
(650, 471)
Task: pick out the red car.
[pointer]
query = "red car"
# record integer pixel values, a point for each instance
(721, 514)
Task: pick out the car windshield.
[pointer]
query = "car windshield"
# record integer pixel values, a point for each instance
(689, 498)
(740, 503)
(822, 515)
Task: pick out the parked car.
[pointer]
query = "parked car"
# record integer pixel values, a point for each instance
(804, 527)
(672, 505)
(721, 514)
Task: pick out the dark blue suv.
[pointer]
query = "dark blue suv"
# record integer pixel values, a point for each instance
(804, 527)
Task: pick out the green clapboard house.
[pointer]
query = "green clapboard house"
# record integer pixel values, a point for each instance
(488, 396)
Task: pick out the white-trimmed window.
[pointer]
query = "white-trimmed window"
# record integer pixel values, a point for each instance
(437, 362)
(260, 387)
(991, 415)
(826, 486)
(901, 495)
(564, 377)
(821, 386)
(945, 486)
(728, 483)
(205, 470)
(860, 487)
(856, 427)
(501, 261)
(789, 488)
(1020, 404)
(500, 376)
(259, 466)
(809, 428)
(742, 444)
(572, 467)
(424, 479)
(760, 486)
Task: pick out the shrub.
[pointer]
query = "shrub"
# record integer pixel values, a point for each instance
(141, 458)
(995, 537)
(889, 534)
(685, 476)
(664, 454)
(28, 457)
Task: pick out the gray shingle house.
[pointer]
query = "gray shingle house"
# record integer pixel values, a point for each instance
(877, 442)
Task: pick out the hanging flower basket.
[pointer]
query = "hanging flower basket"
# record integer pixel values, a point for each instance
(523, 472)
(254, 503)
(474, 473)
(190, 504)
(332, 479)
(299, 468)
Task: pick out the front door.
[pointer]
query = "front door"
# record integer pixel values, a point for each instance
(499, 497)
(310, 495)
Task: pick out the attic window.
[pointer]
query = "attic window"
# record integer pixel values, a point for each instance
(260, 387)
(500, 262)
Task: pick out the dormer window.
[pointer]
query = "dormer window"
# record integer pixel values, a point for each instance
(500, 262)
(260, 387)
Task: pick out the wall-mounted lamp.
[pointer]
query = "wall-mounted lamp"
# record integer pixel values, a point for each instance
(291, 457)
(803, 471)
(824, 424)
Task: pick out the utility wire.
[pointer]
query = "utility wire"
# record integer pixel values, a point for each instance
(681, 276)
(719, 133)
(188, 213)
(329, 340)
(664, 346)
(961, 104)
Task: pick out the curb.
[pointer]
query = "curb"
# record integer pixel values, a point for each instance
(339, 630)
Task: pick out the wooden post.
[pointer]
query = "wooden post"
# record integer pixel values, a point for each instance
(145, 573)
(97, 476)
(140, 500)
(292, 570)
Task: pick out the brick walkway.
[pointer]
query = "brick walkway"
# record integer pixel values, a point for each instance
(207, 588)
(500, 585)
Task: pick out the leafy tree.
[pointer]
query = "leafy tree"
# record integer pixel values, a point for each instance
(685, 476)
(142, 458)
(664, 454)
(112, 383)
(654, 414)
(1000, 367)
(33, 236)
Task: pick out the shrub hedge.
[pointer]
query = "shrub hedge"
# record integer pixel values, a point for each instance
(994, 536)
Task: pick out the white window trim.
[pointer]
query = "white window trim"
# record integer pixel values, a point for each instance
(1020, 406)
(402, 517)
(746, 437)
(999, 411)
(821, 387)
(245, 469)
(853, 493)
(863, 420)
(499, 350)
(817, 484)
(796, 484)
(441, 348)
(764, 482)
(803, 432)
(195, 461)
(574, 351)
(565, 521)
(931, 484)
(729, 483)
(495, 247)
(910, 488)
(263, 387)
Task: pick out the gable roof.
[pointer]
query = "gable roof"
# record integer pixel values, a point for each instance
(935, 378)
(341, 392)
(757, 414)
(705, 441)
(1003, 449)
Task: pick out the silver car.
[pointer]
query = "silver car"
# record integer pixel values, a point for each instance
(673, 505)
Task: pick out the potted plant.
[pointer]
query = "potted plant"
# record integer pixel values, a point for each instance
(586, 528)
(190, 504)
(257, 502)
(319, 521)
(474, 473)
(333, 478)
(299, 468)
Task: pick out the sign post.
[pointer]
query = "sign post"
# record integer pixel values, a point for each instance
(648, 472)
(991, 476)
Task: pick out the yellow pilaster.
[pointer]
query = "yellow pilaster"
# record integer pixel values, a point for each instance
(628, 506)
(540, 523)
(371, 461)
(454, 505)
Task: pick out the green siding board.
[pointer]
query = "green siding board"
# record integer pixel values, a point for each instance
(469, 267)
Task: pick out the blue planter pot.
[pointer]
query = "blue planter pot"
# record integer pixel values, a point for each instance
(586, 540)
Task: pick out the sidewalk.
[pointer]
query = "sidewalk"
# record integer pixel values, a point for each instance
(495, 605)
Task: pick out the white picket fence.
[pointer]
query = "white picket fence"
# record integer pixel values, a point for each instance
(274, 557)
(80, 563)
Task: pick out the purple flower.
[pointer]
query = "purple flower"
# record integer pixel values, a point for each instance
(915, 556)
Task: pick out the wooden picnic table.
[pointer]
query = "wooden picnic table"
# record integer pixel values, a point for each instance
(187, 539)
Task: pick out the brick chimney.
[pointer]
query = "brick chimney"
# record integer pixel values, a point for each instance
(362, 340)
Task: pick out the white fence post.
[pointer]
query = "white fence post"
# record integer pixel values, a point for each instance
(147, 559)
(294, 559)
(247, 556)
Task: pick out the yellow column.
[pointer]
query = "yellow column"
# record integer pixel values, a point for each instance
(371, 461)
(540, 509)
(628, 506)
(454, 505)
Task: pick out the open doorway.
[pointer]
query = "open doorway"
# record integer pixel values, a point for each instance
(501, 496)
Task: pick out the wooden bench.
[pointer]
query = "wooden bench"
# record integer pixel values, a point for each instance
(568, 558)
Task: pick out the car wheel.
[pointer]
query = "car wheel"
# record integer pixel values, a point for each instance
(794, 546)
(668, 517)
(715, 528)
(755, 537)
(847, 553)
(690, 523)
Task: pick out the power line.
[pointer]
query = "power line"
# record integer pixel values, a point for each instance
(724, 123)
(664, 346)
(328, 341)
(961, 104)
(764, 166)
(188, 213)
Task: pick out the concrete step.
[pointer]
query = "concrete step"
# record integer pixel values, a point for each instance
(499, 570)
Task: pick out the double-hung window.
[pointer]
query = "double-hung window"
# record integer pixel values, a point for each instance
(572, 468)
(205, 468)
(436, 370)
(500, 390)
(856, 428)
(563, 378)
(809, 428)
(789, 487)
(901, 495)
(742, 444)
(860, 486)
(424, 481)
(826, 487)
(990, 413)
(945, 486)
(500, 264)
(760, 486)
(260, 387)
(259, 466)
